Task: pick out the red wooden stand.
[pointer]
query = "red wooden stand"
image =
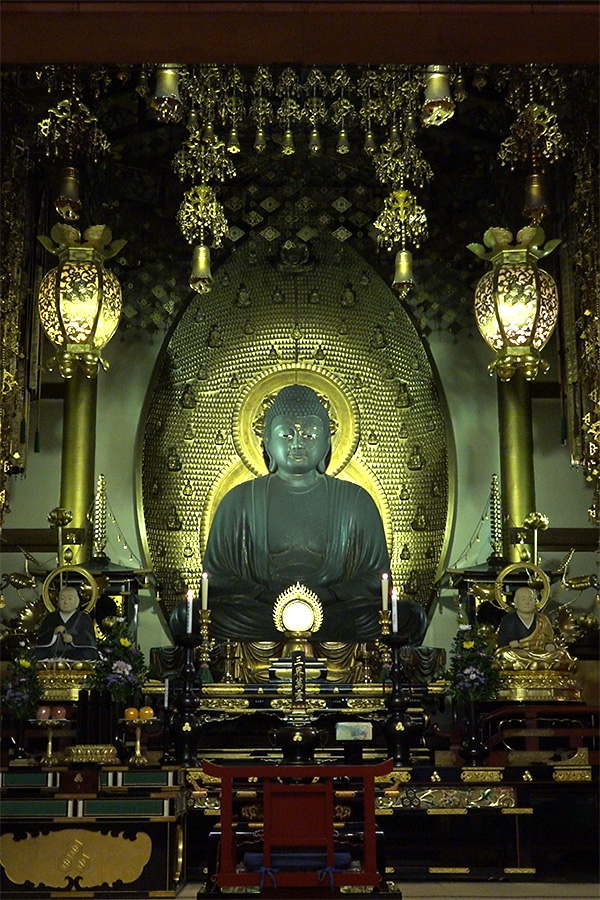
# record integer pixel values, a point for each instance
(297, 815)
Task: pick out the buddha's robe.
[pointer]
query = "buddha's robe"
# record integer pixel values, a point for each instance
(265, 537)
(538, 646)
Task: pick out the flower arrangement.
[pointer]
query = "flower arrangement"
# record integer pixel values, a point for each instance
(21, 688)
(121, 669)
(473, 673)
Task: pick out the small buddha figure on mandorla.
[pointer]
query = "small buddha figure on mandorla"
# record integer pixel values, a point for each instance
(526, 639)
(298, 524)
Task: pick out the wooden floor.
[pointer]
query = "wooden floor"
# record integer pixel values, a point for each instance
(468, 891)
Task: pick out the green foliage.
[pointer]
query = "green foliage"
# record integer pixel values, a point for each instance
(121, 670)
(21, 688)
(473, 673)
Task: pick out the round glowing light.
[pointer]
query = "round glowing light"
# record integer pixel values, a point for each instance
(297, 616)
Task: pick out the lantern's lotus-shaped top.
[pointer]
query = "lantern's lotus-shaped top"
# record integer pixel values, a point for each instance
(529, 239)
(516, 304)
(79, 300)
(96, 237)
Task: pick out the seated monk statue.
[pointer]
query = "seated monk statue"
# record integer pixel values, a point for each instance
(526, 639)
(298, 524)
(67, 632)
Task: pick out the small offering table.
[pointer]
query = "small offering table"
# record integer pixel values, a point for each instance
(298, 819)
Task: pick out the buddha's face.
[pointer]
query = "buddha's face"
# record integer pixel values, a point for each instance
(297, 444)
(68, 600)
(525, 601)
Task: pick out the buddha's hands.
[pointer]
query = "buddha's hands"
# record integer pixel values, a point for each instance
(60, 629)
(67, 638)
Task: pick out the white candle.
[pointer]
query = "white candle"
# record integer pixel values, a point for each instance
(190, 610)
(166, 700)
(385, 592)
(395, 610)
(204, 595)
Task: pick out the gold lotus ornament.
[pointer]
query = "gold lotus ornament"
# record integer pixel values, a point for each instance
(298, 613)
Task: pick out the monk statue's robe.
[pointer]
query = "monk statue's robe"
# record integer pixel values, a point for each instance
(538, 647)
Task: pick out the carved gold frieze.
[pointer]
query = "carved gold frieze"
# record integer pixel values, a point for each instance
(359, 704)
(481, 774)
(286, 703)
(232, 704)
(75, 858)
(441, 800)
(572, 773)
(448, 870)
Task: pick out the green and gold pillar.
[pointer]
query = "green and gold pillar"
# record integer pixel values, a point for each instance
(516, 460)
(77, 468)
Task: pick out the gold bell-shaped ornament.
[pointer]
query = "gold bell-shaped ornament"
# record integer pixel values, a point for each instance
(343, 144)
(260, 140)
(166, 100)
(536, 205)
(315, 144)
(201, 277)
(193, 123)
(67, 203)
(287, 146)
(403, 274)
(438, 105)
(209, 135)
(233, 141)
(369, 145)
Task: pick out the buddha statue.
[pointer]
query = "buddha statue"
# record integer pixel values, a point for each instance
(526, 639)
(298, 524)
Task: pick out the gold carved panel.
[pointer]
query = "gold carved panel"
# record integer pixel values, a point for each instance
(75, 858)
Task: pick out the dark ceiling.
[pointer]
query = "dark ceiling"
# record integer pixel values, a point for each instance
(135, 190)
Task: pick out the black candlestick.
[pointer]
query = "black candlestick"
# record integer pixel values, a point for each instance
(185, 726)
(402, 727)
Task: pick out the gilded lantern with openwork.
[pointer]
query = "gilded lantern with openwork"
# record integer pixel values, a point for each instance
(516, 303)
(80, 301)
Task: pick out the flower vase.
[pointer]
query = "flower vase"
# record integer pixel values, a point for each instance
(472, 748)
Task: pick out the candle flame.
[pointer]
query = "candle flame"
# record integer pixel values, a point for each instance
(190, 595)
(394, 593)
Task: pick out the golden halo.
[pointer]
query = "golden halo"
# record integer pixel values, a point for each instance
(298, 594)
(248, 417)
(88, 607)
(531, 567)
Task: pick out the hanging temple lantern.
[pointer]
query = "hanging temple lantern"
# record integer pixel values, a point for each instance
(80, 301)
(516, 304)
